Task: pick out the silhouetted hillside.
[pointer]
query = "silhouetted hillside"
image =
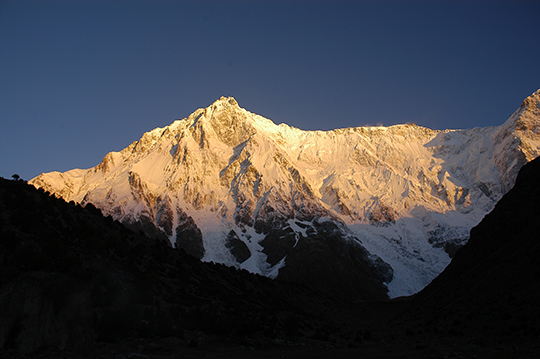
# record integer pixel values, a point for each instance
(70, 277)
(76, 284)
(490, 292)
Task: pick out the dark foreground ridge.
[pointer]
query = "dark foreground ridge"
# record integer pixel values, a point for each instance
(75, 284)
(491, 289)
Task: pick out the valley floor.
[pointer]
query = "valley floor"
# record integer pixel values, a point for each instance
(383, 334)
(403, 348)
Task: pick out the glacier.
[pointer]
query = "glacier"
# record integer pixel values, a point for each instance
(230, 186)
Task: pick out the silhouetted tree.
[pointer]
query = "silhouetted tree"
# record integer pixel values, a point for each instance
(16, 177)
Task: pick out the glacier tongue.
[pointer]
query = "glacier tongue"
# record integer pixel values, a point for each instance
(230, 186)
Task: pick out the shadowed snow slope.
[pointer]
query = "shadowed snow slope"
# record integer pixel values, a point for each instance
(367, 211)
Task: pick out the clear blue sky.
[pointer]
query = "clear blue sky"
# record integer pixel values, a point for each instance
(80, 78)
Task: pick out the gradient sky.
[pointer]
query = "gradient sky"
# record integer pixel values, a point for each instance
(80, 78)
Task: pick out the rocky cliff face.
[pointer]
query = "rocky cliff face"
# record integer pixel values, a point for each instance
(230, 186)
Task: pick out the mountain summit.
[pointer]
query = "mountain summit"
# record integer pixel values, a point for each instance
(364, 212)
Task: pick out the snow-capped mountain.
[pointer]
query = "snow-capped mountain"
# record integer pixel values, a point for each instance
(364, 210)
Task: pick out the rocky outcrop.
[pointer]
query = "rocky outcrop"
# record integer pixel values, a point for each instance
(329, 260)
(189, 236)
(382, 215)
(237, 247)
(278, 243)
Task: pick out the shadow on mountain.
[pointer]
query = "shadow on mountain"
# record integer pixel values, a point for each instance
(71, 278)
(76, 284)
(490, 292)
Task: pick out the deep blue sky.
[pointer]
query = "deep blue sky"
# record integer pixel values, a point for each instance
(81, 78)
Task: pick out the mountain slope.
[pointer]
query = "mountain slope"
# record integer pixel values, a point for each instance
(389, 204)
(71, 279)
(491, 289)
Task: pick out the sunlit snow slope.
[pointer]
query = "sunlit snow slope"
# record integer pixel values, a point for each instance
(391, 203)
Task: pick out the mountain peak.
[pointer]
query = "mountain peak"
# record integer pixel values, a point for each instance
(532, 102)
(524, 120)
(271, 198)
(225, 101)
(224, 118)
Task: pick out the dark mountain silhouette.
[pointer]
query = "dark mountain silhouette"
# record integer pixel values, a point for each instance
(491, 289)
(70, 278)
(76, 284)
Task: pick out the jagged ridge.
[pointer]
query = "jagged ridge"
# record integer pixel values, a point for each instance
(230, 186)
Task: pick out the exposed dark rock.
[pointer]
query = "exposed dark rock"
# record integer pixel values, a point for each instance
(268, 218)
(165, 217)
(448, 239)
(382, 215)
(189, 236)
(278, 243)
(329, 261)
(147, 226)
(238, 249)
(382, 270)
